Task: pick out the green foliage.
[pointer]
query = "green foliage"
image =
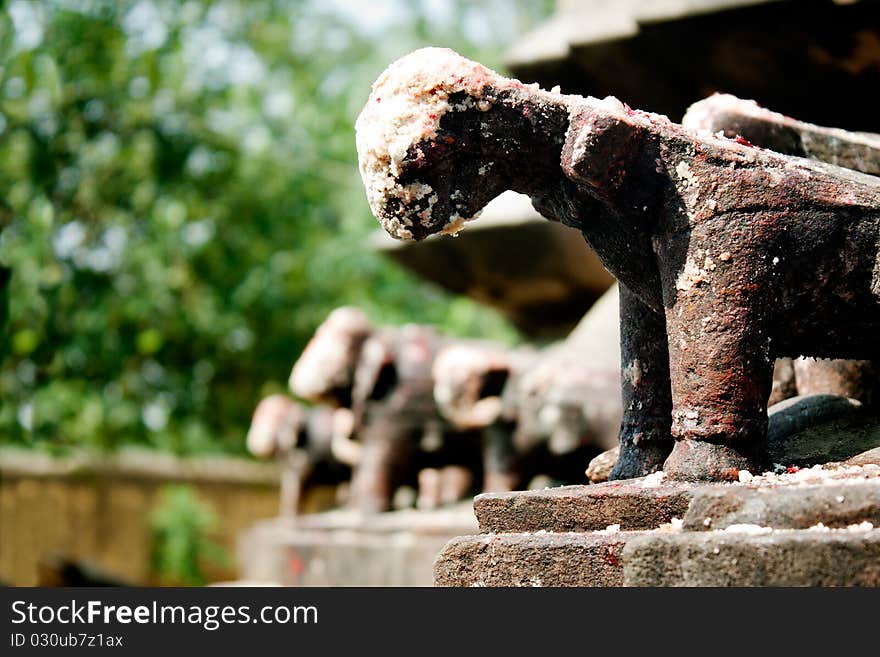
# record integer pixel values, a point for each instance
(180, 204)
(180, 528)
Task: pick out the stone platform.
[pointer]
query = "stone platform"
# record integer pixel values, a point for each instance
(810, 527)
(344, 548)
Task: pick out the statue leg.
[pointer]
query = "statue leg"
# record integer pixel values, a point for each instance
(721, 373)
(371, 484)
(292, 477)
(387, 458)
(500, 471)
(645, 439)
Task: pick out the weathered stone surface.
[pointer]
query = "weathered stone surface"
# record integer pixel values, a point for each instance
(810, 527)
(813, 429)
(779, 558)
(636, 504)
(854, 379)
(836, 504)
(600, 467)
(543, 559)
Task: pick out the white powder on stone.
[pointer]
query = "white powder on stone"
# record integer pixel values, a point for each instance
(407, 102)
(691, 274)
(684, 172)
(861, 527)
(653, 480)
(673, 526)
(817, 475)
(405, 107)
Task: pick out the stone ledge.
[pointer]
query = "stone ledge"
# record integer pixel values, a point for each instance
(634, 504)
(762, 531)
(836, 504)
(540, 559)
(446, 521)
(345, 548)
(776, 558)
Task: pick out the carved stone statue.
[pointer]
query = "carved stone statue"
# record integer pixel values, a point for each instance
(728, 255)
(312, 445)
(383, 375)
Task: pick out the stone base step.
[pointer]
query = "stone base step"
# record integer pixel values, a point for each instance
(344, 548)
(846, 557)
(541, 559)
(777, 558)
(635, 504)
(790, 507)
(810, 527)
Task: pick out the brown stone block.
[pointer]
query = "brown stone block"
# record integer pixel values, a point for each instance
(540, 559)
(633, 504)
(775, 558)
(833, 505)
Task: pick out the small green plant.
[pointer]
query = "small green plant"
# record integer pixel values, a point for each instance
(181, 545)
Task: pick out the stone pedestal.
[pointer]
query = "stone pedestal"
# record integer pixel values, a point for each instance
(812, 527)
(344, 548)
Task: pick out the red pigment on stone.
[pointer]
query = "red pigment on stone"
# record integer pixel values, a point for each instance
(610, 558)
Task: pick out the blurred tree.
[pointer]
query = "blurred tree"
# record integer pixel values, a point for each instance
(180, 205)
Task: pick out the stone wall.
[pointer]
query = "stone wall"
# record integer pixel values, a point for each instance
(95, 510)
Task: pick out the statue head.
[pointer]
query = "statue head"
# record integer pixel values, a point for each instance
(441, 136)
(469, 381)
(325, 370)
